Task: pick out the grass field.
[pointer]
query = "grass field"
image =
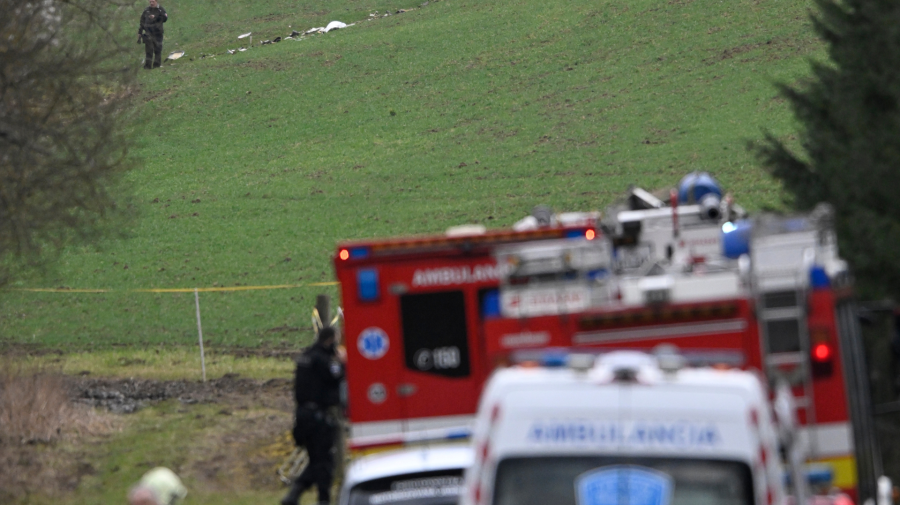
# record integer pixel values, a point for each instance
(162, 363)
(255, 164)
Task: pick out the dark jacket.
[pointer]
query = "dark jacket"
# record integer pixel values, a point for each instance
(153, 26)
(317, 378)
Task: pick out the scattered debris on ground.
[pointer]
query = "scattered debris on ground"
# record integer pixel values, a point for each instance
(125, 396)
(298, 36)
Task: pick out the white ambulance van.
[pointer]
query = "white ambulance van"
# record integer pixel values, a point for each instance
(624, 428)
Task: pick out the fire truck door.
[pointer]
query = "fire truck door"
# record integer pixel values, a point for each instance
(437, 377)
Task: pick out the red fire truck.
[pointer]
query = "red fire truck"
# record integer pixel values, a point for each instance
(413, 323)
(428, 318)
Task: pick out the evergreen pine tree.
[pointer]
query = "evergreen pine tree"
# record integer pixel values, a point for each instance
(849, 111)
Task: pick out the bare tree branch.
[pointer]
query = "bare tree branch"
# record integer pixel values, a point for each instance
(64, 105)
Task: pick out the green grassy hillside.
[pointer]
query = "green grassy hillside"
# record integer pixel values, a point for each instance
(255, 164)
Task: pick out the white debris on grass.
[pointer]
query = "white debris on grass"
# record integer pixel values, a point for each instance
(335, 25)
(296, 36)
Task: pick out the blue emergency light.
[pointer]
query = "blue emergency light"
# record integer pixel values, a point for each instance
(367, 284)
(818, 277)
(490, 304)
(359, 253)
(552, 358)
(736, 238)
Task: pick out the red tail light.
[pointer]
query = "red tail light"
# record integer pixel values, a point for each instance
(821, 352)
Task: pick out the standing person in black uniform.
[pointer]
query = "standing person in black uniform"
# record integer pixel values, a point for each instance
(151, 33)
(317, 378)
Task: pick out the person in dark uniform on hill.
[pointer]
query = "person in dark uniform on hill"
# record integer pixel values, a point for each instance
(151, 33)
(317, 378)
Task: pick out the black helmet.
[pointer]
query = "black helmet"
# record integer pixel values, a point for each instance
(325, 334)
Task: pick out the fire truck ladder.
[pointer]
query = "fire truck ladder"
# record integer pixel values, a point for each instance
(783, 322)
(780, 278)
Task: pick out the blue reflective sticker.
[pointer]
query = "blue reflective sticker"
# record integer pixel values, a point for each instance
(623, 485)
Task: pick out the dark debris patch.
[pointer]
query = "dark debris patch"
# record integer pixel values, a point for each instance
(126, 396)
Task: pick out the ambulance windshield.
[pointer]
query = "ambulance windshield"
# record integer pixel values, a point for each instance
(598, 480)
(431, 488)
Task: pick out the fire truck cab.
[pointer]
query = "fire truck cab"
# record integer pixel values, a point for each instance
(414, 309)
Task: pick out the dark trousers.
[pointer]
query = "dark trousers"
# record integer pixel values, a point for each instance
(314, 429)
(153, 50)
